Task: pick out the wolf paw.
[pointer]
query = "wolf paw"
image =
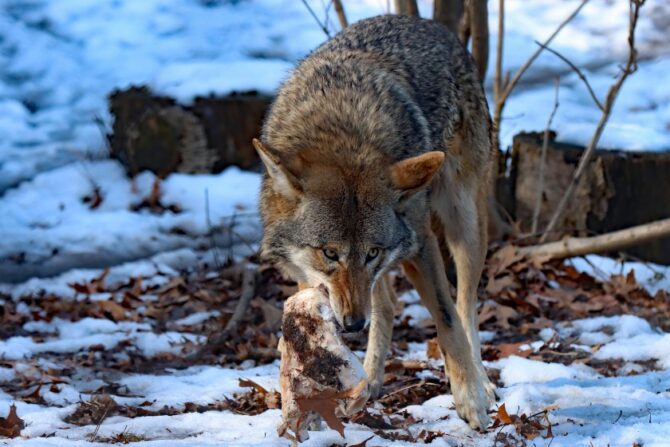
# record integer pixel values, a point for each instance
(472, 402)
(489, 387)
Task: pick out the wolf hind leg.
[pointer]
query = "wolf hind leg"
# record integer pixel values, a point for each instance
(381, 330)
(462, 211)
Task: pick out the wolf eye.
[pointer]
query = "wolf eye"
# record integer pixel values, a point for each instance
(372, 254)
(330, 254)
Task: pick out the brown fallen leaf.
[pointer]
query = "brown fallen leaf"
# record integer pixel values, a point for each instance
(507, 349)
(497, 285)
(92, 412)
(433, 350)
(326, 402)
(112, 310)
(10, 427)
(503, 416)
(247, 383)
(96, 285)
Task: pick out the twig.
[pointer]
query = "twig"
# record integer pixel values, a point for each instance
(543, 157)
(210, 228)
(581, 74)
(497, 76)
(247, 293)
(617, 240)
(341, 16)
(508, 86)
(631, 66)
(318, 21)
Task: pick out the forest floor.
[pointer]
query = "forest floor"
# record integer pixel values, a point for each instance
(128, 355)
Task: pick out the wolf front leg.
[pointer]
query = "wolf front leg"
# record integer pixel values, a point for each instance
(426, 272)
(465, 231)
(381, 330)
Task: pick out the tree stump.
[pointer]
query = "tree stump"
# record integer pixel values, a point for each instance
(620, 190)
(155, 133)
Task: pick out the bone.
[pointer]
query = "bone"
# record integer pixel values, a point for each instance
(317, 367)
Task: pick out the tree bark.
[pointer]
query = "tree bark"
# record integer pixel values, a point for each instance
(479, 31)
(449, 12)
(406, 7)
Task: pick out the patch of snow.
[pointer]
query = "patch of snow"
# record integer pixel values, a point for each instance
(45, 237)
(64, 337)
(516, 370)
(651, 276)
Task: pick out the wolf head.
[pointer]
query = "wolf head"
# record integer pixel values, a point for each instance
(343, 225)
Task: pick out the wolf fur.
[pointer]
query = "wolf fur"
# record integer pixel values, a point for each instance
(378, 152)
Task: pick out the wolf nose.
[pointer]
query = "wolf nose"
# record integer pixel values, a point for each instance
(352, 324)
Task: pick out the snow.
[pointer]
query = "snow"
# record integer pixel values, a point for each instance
(58, 63)
(70, 337)
(584, 406)
(51, 230)
(651, 276)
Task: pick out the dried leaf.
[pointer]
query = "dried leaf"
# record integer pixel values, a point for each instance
(10, 427)
(247, 383)
(326, 402)
(497, 285)
(112, 309)
(433, 350)
(92, 412)
(507, 349)
(503, 416)
(325, 407)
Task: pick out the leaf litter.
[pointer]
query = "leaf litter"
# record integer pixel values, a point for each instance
(519, 300)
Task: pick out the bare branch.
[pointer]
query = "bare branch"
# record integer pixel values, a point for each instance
(517, 76)
(247, 293)
(617, 240)
(497, 76)
(341, 16)
(543, 157)
(210, 231)
(577, 70)
(318, 21)
(507, 86)
(631, 66)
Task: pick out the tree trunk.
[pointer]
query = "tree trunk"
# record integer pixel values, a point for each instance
(406, 7)
(449, 12)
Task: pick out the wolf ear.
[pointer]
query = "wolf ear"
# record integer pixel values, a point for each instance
(414, 173)
(281, 170)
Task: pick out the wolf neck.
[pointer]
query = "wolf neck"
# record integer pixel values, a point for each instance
(340, 104)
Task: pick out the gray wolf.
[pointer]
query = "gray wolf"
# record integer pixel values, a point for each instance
(378, 152)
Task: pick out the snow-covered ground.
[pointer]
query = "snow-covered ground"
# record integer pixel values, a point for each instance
(58, 62)
(584, 407)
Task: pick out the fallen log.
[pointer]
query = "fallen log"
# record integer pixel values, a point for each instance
(609, 242)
